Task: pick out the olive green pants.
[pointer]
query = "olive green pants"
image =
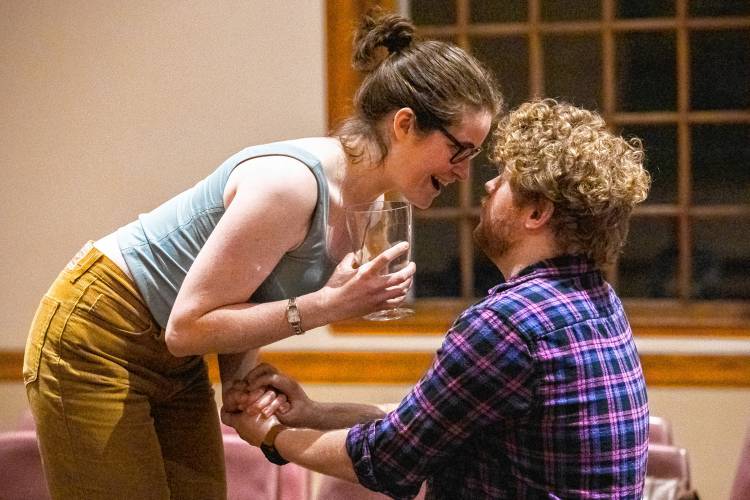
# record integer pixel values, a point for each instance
(117, 415)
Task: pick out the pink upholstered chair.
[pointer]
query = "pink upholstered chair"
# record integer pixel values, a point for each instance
(659, 430)
(21, 476)
(26, 422)
(741, 485)
(332, 488)
(668, 462)
(251, 477)
(668, 473)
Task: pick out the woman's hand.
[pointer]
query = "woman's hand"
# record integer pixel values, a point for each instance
(238, 398)
(359, 290)
(251, 428)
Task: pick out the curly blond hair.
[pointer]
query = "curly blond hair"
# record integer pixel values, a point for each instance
(593, 177)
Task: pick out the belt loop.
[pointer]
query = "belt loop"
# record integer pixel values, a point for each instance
(82, 261)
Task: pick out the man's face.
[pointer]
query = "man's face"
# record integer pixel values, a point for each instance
(499, 222)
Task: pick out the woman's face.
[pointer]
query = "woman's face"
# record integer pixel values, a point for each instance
(422, 166)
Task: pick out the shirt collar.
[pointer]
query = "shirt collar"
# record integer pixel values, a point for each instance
(563, 265)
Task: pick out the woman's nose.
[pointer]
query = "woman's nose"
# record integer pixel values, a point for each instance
(461, 170)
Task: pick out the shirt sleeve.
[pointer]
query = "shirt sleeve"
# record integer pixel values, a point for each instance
(482, 374)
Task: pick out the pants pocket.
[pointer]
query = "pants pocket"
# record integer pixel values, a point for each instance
(114, 312)
(37, 336)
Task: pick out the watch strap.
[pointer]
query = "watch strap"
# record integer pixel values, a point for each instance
(268, 445)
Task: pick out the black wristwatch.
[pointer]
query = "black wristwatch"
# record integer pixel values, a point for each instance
(268, 448)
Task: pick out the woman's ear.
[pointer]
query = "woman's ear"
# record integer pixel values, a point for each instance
(539, 213)
(404, 121)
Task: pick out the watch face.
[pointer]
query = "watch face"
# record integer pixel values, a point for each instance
(292, 315)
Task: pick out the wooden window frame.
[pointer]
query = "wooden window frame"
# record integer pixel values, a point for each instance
(680, 316)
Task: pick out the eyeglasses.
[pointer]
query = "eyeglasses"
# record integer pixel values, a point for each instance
(464, 150)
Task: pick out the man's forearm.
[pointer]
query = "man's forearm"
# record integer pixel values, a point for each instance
(321, 451)
(329, 416)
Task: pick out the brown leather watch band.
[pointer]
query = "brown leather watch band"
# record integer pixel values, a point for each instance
(268, 445)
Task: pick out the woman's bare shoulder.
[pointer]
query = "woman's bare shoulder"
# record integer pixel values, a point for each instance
(274, 179)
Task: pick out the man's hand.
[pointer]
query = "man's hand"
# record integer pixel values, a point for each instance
(251, 428)
(265, 386)
(238, 397)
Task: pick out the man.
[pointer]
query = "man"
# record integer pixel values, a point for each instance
(537, 390)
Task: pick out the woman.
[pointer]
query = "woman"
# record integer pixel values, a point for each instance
(113, 365)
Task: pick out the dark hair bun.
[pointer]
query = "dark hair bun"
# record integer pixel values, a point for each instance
(377, 29)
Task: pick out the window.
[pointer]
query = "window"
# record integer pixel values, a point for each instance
(675, 73)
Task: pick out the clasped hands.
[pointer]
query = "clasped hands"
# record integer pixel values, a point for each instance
(264, 398)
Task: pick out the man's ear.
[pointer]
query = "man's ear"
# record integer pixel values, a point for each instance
(539, 213)
(404, 121)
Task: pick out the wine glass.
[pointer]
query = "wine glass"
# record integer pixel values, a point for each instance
(375, 227)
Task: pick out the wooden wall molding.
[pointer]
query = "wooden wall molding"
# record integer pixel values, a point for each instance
(382, 368)
(648, 318)
(11, 363)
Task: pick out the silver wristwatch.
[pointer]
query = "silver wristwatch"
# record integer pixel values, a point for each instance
(293, 317)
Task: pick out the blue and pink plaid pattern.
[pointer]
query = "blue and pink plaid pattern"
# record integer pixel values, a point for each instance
(536, 392)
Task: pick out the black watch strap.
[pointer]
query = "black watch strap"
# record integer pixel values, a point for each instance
(268, 445)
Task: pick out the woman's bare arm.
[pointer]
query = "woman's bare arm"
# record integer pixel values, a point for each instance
(268, 215)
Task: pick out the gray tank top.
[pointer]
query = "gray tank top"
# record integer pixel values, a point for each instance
(160, 246)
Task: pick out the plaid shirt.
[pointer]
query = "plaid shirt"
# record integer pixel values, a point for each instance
(536, 392)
